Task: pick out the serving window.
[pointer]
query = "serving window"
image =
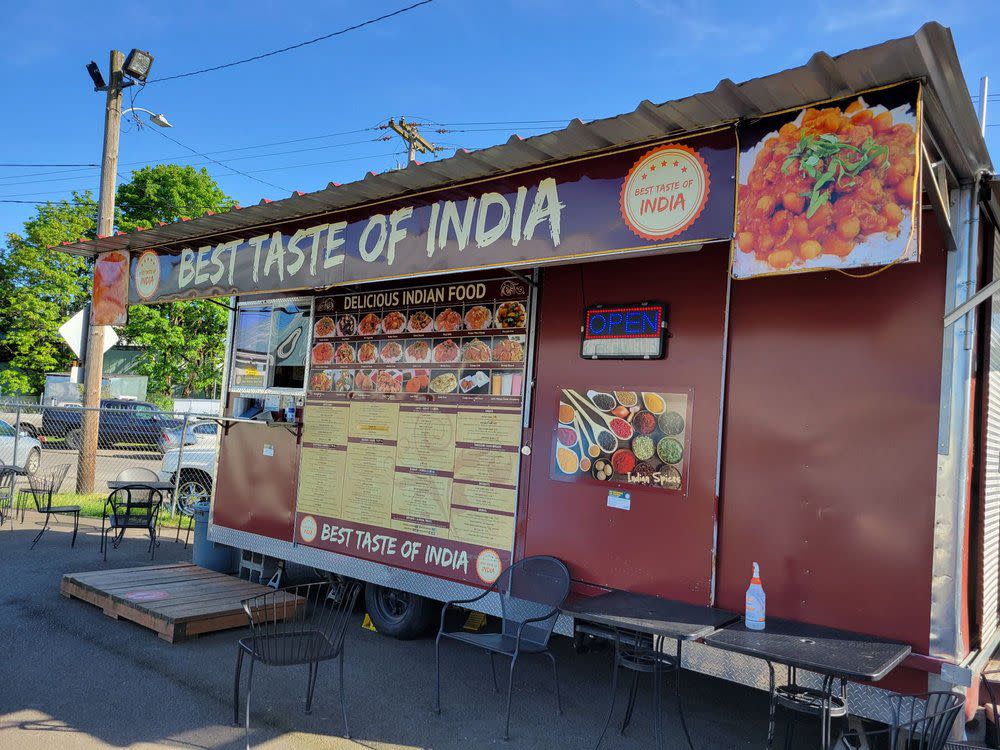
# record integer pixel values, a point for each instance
(270, 344)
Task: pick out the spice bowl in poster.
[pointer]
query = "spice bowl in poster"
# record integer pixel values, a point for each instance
(622, 435)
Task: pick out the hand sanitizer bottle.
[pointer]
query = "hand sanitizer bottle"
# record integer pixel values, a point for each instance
(754, 617)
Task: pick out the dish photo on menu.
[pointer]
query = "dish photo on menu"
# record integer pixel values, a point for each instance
(446, 351)
(474, 382)
(420, 322)
(388, 381)
(323, 354)
(344, 355)
(418, 351)
(367, 353)
(343, 381)
(511, 315)
(369, 325)
(416, 381)
(443, 381)
(476, 350)
(448, 321)
(830, 186)
(347, 325)
(324, 328)
(391, 351)
(478, 318)
(393, 322)
(508, 349)
(364, 381)
(321, 380)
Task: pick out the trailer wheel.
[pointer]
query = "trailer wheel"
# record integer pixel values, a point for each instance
(398, 614)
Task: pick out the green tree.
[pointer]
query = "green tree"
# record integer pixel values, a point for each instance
(40, 289)
(182, 342)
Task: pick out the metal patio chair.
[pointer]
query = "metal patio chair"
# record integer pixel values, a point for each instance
(530, 591)
(919, 722)
(41, 488)
(57, 475)
(296, 625)
(132, 507)
(7, 509)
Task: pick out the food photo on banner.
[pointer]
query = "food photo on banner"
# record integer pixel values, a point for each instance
(830, 186)
(111, 289)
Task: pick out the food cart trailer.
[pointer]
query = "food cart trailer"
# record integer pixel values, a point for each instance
(752, 324)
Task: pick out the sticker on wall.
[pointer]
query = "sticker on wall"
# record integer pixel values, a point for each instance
(830, 186)
(665, 191)
(622, 436)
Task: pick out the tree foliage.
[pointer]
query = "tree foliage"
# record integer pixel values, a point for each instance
(182, 342)
(40, 289)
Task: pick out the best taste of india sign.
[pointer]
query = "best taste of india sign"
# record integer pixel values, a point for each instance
(676, 193)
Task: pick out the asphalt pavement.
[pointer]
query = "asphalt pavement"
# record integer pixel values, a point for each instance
(71, 678)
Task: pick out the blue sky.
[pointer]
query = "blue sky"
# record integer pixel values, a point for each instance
(452, 61)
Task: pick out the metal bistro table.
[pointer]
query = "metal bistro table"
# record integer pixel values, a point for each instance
(835, 654)
(639, 624)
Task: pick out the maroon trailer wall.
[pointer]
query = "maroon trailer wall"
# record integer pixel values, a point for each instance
(830, 446)
(663, 544)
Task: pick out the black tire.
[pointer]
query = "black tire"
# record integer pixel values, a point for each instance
(74, 440)
(399, 614)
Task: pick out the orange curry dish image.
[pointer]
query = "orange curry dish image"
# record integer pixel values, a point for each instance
(824, 187)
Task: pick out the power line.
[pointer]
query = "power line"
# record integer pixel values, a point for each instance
(50, 165)
(293, 46)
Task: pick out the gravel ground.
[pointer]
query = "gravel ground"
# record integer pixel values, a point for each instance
(72, 678)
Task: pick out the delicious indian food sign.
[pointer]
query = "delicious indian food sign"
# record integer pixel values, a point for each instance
(830, 186)
(676, 193)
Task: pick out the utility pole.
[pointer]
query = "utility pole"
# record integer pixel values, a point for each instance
(416, 142)
(105, 227)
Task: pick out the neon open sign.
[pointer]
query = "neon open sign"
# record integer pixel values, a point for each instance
(624, 331)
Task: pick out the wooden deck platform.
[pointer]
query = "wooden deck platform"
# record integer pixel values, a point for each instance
(178, 601)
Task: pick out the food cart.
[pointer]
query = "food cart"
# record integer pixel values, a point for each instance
(752, 324)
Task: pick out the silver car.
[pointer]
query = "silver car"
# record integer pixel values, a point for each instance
(29, 449)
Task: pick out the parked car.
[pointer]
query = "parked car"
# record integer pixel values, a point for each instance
(200, 432)
(135, 423)
(197, 467)
(27, 448)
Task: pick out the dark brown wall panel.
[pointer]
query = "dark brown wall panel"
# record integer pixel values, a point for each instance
(830, 445)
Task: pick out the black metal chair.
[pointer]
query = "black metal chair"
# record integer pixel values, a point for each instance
(132, 507)
(303, 624)
(56, 476)
(530, 591)
(919, 722)
(7, 479)
(41, 488)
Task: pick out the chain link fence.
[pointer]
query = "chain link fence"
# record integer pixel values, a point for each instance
(135, 442)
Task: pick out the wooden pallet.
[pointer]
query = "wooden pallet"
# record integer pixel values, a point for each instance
(177, 601)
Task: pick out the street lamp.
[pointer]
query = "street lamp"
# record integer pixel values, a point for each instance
(156, 119)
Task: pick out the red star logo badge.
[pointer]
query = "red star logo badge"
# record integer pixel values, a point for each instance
(663, 164)
(652, 167)
(684, 169)
(676, 163)
(644, 175)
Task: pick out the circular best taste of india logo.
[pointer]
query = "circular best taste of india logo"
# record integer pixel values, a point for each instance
(147, 274)
(488, 565)
(307, 529)
(665, 191)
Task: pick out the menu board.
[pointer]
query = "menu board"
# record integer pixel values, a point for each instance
(623, 436)
(412, 426)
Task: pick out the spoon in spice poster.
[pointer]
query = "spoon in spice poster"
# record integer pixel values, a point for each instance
(603, 401)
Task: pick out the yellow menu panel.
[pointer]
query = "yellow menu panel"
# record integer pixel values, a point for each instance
(490, 428)
(325, 424)
(375, 420)
(484, 529)
(414, 527)
(321, 477)
(421, 496)
(368, 483)
(484, 496)
(496, 467)
(426, 440)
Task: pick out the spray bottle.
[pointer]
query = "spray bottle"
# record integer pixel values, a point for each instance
(756, 602)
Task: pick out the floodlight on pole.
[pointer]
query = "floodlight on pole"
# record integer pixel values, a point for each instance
(137, 65)
(159, 119)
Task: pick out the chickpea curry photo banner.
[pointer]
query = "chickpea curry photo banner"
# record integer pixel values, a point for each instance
(830, 186)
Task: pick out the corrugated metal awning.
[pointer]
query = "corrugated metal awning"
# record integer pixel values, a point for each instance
(929, 54)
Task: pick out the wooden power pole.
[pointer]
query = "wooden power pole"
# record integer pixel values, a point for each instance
(416, 142)
(105, 227)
